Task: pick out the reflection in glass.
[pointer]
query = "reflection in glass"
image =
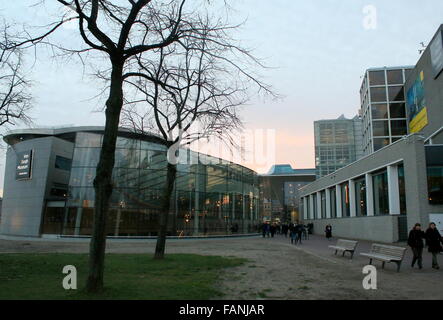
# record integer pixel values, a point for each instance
(380, 143)
(154, 159)
(333, 203)
(401, 188)
(395, 76)
(377, 78)
(86, 157)
(381, 195)
(323, 204)
(379, 111)
(378, 94)
(360, 197)
(380, 128)
(398, 127)
(82, 176)
(435, 184)
(139, 176)
(396, 93)
(345, 205)
(397, 110)
(89, 140)
(127, 158)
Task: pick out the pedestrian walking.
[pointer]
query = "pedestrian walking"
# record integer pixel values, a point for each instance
(263, 228)
(433, 241)
(285, 229)
(415, 241)
(328, 232)
(300, 229)
(292, 233)
(273, 229)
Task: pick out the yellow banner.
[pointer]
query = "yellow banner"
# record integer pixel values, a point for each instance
(419, 121)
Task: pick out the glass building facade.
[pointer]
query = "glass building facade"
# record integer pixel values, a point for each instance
(383, 107)
(338, 142)
(379, 193)
(211, 196)
(280, 192)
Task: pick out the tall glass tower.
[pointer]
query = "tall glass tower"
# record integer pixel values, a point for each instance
(338, 142)
(383, 106)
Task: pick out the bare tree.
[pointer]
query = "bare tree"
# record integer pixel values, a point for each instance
(15, 99)
(126, 35)
(191, 91)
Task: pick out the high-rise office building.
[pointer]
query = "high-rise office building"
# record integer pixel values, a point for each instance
(383, 109)
(338, 142)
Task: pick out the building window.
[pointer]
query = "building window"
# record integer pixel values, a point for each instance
(360, 197)
(59, 190)
(398, 127)
(323, 204)
(396, 93)
(381, 195)
(401, 188)
(377, 78)
(314, 207)
(380, 143)
(379, 111)
(308, 208)
(397, 110)
(434, 167)
(63, 163)
(395, 76)
(345, 205)
(380, 128)
(378, 94)
(333, 203)
(435, 184)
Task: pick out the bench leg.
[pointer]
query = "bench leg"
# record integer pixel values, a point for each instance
(370, 261)
(398, 266)
(335, 252)
(343, 253)
(383, 265)
(352, 254)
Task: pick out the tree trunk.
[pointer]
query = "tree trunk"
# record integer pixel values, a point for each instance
(164, 214)
(103, 180)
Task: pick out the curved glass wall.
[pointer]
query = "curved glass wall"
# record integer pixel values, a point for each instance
(211, 196)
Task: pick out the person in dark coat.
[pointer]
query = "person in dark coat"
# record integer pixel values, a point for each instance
(268, 229)
(273, 229)
(300, 229)
(292, 233)
(285, 229)
(415, 241)
(328, 232)
(433, 241)
(263, 228)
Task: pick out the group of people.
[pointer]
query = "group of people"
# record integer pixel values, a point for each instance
(269, 230)
(432, 239)
(296, 231)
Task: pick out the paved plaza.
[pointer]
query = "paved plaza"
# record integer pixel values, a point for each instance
(278, 270)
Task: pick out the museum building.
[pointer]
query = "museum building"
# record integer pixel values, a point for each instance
(381, 196)
(48, 187)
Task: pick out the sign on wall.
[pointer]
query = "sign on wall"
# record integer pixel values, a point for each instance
(416, 105)
(23, 168)
(437, 54)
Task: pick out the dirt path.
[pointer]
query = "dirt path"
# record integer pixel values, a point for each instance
(275, 269)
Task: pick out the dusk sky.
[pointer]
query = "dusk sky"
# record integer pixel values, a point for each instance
(318, 51)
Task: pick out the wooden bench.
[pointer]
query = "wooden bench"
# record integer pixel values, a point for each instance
(385, 254)
(345, 246)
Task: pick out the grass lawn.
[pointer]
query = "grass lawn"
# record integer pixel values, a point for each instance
(127, 276)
